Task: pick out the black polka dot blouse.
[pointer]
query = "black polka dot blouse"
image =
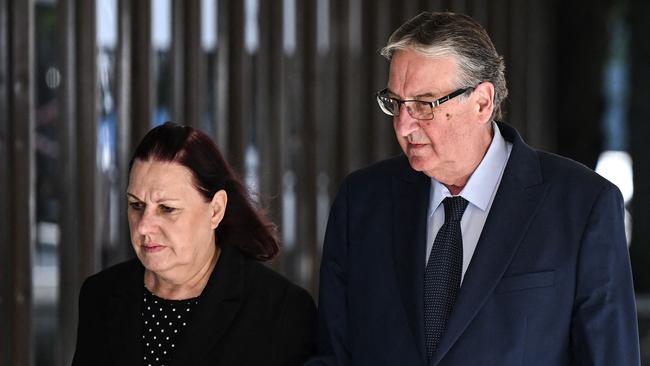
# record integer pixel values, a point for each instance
(163, 322)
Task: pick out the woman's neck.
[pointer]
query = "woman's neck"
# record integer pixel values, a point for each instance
(185, 287)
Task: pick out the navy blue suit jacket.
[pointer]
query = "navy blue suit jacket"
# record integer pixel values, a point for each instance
(549, 282)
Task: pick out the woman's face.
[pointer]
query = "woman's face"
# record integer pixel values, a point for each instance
(172, 225)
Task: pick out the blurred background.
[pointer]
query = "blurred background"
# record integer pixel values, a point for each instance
(286, 89)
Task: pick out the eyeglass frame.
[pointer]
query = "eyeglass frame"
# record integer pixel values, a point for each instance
(382, 94)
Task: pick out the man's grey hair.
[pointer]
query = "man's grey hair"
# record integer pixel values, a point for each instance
(439, 34)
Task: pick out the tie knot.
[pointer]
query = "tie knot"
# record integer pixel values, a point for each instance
(454, 208)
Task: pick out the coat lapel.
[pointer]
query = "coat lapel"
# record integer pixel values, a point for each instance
(124, 320)
(410, 194)
(518, 197)
(217, 307)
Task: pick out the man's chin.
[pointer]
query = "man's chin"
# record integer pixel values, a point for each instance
(419, 163)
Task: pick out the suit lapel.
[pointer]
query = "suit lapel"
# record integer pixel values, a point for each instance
(217, 308)
(518, 197)
(410, 195)
(124, 321)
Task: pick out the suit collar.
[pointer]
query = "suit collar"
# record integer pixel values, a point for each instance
(124, 319)
(518, 197)
(217, 307)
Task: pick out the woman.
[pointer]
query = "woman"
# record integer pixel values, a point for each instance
(196, 294)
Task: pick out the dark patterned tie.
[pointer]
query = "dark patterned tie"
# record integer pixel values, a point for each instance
(442, 274)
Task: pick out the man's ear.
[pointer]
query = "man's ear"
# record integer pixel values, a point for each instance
(483, 97)
(218, 207)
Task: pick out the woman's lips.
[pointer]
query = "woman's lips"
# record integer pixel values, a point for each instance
(417, 146)
(152, 248)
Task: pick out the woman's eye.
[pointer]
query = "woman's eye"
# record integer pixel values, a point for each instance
(138, 206)
(167, 209)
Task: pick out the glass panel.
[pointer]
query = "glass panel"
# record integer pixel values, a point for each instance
(161, 38)
(108, 174)
(47, 79)
(209, 39)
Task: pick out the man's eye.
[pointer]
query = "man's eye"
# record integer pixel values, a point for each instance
(138, 206)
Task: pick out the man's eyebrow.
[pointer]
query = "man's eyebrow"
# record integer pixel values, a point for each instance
(423, 95)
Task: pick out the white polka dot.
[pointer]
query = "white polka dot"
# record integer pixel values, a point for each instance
(188, 309)
(154, 337)
(157, 323)
(172, 345)
(158, 344)
(162, 331)
(151, 351)
(175, 331)
(164, 352)
(148, 308)
(173, 309)
(184, 324)
(147, 344)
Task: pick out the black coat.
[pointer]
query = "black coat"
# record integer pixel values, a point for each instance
(247, 315)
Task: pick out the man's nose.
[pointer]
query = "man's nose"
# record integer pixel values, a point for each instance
(404, 123)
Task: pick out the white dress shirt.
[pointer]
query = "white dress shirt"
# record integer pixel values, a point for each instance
(479, 191)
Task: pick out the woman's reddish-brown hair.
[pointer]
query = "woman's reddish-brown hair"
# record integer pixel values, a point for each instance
(243, 226)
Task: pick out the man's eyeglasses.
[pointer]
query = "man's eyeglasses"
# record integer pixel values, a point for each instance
(418, 109)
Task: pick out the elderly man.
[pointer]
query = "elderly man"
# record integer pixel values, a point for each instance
(471, 248)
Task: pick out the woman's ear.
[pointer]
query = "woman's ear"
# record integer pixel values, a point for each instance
(218, 207)
(484, 97)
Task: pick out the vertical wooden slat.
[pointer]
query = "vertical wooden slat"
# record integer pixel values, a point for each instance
(579, 79)
(69, 255)
(377, 31)
(178, 112)
(86, 82)
(193, 65)
(222, 96)
(143, 93)
(640, 149)
(22, 174)
(478, 9)
(540, 34)
(518, 66)
(325, 120)
(236, 97)
(266, 122)
(292, 110)
(5, 191)
(125, 122)
(306, 160)
(498, 26)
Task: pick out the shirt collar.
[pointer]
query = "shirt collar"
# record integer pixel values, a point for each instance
(483, 182)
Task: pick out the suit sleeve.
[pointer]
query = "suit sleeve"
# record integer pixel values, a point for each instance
(604, 324)
(298, 333)
(86, 349)
(332, 307)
